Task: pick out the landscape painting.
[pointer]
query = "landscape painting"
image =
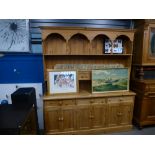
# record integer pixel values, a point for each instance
(112, 79)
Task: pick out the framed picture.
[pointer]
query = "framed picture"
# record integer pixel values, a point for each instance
(62, 81)
(117, 46)
(108, 46)
(14, 35)
(110, 80)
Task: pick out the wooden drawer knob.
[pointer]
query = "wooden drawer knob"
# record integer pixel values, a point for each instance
(60, 102)
(121, 99)
(91, 116)
(119, 114)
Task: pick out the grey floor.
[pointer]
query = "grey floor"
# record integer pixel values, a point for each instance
(149, 130)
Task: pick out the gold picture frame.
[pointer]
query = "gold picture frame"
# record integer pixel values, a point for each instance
(62, 81)
(110, 80)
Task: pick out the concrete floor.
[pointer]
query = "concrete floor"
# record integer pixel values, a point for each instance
(148, 130)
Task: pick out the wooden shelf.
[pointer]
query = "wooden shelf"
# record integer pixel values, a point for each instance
(85, 55)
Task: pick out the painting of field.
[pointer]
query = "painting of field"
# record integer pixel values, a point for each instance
(113, 79)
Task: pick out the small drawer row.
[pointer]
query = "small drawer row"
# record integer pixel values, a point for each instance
(65, 102)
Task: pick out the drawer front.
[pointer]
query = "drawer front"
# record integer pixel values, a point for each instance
(59, 102)
(91, 101)
(114, 100)
(68, 102)
(84, 75)
(128, 99)
(53, 102)
(99, 101)
(83, 101)
(121, 99)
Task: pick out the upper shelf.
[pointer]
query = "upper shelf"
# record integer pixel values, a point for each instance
(108, 55)
(65, 41)
(90, 33)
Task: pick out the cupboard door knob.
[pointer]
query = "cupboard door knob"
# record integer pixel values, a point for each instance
(61, 119)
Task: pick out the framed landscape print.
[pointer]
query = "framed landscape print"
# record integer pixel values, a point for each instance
(62, 81)
(109, 80)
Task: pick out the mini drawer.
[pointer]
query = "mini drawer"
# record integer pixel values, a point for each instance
(59, 102)
(91, 101)
(98, 101)
(120, 99)
(128, 99)
(53, 102)
(114, 100)
(68, 102)
(83, 101)
(84, 75)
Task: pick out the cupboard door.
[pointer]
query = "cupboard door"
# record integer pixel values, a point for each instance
(52, 119)
(113, 114)
(83, 117)
(125, 114)
(68, 118)
(98, 116)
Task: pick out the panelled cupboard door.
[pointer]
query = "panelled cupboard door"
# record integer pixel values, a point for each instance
(83, 117)
(59, 119)
(113, 114)
(98, 116)
(52, 118)
(120, 110)
(125, 114)
(67, 118)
